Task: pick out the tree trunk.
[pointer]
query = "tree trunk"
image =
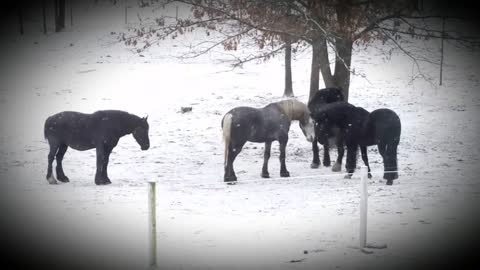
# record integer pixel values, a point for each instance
(315, 71)
(288, 92)
(55, 15)
(320, 63)
(61, 13)
(20, 18)
(59, 6)
(71, 12)
(343, 61)
(44, 15)
(441, 50)
(325, 69)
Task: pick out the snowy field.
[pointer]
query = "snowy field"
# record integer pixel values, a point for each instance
(309, 221)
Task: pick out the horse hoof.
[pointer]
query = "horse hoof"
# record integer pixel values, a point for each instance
(337, 167)
(348, 176)
(63, 179)
(390, 176)
(265, 175)
(229, 179)
(284, 174)
(326, 164)
(102, 182)
(314, 165)
(51, 180)
(389, 182)
(369, 176)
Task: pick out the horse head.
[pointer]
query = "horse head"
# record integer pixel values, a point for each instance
(140, 133)
(307, 125)
(323, 126)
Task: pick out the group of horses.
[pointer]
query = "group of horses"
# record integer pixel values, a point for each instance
(327, 119)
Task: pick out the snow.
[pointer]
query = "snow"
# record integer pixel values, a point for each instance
(201, 222)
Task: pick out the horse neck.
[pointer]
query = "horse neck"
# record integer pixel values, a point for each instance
(294, 109)
(132, 122)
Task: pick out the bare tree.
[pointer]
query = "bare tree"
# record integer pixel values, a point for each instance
(59, 6)
(288, 92)
(20, 17)
(338, 25)
(44, 16)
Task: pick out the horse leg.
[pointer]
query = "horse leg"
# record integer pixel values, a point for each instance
(351, 160)
(326, 154)
(340, 153)
(363, 150)
(228, 176)
(233, 151)
(51, 156)
(382, 149)
(390, 163)
(100, 178)
(60, 174)
(283, 167)
(106, 158)
(266, 157)
(316, 159)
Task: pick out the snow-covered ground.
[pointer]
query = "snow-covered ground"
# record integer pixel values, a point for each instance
(308, 221)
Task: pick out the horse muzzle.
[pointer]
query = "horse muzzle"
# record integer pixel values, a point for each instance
(145, 147)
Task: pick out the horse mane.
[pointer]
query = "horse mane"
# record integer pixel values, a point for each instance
(294, 109)
(131, 120)
(134, 120)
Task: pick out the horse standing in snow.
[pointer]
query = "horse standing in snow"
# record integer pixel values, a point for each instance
(267, 124)
(318, 100)
(101, 130)
(361, 128)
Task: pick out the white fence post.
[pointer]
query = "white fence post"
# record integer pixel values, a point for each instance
(152, 226)
(363, 209)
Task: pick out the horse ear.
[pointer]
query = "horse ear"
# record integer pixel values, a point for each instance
(145, 118)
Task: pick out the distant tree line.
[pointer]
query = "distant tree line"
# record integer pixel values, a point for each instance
(59, 13)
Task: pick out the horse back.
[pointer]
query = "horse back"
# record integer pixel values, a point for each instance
(71, 128)
(386, 125)
(275, 123)
(61, 122)
(257, 125)
(274, 116)
(355, 125)
(341, 113)
(246, 123)
(325, 96)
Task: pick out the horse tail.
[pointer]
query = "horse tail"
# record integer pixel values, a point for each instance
(46, 127)
(391, 150)
(226, 128)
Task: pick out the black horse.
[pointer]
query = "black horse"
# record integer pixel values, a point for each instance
(101, 130)
(361, 128)
(267, 124)
(318, 100)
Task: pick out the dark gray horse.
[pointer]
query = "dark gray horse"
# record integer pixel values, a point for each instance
(381, 127)
(317, 101)
(100, 130)
(267, 124)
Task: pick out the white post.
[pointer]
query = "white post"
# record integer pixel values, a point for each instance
(152, 226)
(363, 209)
